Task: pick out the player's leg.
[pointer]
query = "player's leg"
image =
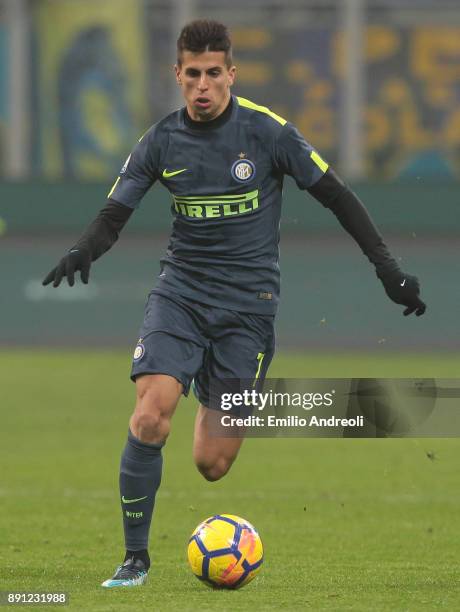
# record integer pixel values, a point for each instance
(212, 452)
(164, 365)
(141, 467)
(157, 396)
(241, 350)
(141, 463)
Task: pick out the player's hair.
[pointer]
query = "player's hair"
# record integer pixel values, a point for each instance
(204, 35)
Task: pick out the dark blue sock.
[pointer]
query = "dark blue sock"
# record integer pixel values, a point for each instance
(140, 477)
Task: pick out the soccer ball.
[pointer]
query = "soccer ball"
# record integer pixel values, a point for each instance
(225, 551)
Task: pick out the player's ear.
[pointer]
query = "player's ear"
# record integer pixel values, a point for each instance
(231, 75)
(177, 71)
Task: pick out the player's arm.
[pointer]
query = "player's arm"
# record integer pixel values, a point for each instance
(95, 241)
(400, 287)
(136, 177)
(294, 156)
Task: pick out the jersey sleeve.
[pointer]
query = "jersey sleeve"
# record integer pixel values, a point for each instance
(139, 172)
(297, 158)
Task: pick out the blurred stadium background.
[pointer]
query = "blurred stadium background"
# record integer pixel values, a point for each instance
(374, 85)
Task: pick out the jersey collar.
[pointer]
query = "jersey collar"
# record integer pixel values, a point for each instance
(205, 126)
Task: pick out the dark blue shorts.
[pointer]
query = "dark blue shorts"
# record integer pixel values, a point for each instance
(195, 342)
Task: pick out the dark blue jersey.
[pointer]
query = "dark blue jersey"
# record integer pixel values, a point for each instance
(225, 177)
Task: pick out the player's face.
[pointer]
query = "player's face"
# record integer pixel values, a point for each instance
(205, 81)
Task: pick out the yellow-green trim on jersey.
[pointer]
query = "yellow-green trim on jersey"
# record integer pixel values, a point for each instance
(113, 187)
(261, 109)
(322, 165)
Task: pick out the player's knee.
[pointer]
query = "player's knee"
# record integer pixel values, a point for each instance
(150, 422)
(149, 427)
(213, 470)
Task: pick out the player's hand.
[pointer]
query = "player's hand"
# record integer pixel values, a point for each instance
(76, 259)
(404, 289)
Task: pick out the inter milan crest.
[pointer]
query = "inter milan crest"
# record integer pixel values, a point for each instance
(243, 170)
(139, 351)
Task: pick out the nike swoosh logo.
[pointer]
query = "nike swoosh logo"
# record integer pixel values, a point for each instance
(131, 501)
(403, 283)
(167, 174)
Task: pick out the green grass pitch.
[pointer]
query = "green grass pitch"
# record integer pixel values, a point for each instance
(346, 524)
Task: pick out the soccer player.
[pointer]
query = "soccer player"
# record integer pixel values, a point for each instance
(211, 312)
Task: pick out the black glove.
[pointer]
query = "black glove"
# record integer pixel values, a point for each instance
(76, 259)
(403, 289)
(95, 241)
